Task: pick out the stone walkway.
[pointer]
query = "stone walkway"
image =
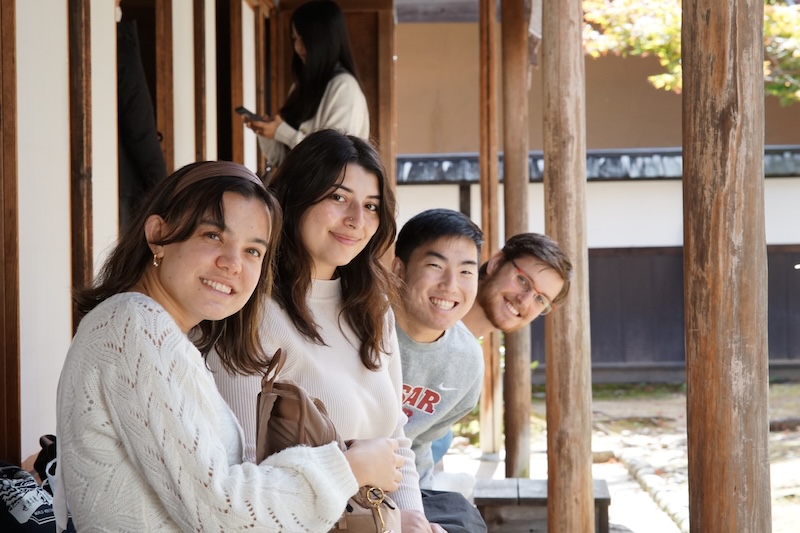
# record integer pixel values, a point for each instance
(640, 449)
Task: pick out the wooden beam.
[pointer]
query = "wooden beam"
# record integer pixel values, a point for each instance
(517, 376)
(200, 119)
(165, 93)
(10, 401)
(387, 100)
(567, 348)
(491, 396)
(236, 80)
(80, 132)
(261, 16)
(725, 266)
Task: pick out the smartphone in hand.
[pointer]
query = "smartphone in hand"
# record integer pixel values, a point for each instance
(250, 115)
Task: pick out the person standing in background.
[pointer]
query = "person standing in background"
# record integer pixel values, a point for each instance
(326, 92)
(141, 161)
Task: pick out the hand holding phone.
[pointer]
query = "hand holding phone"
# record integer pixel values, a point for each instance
(249, 115)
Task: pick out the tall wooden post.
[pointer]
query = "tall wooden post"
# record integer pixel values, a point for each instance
(517, 377)
(570, 502)
(165, 89)
(11, 397)
(725, 266)
(491, 395)
(80, 135)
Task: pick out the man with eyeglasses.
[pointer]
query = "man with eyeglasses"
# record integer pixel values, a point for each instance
(529, 277)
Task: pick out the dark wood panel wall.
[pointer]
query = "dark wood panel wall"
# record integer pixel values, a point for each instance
(637, 312)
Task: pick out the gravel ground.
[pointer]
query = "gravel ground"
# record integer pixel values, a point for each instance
(647, 433)
(640, 448)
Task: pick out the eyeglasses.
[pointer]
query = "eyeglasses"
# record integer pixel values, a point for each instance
(525, 283)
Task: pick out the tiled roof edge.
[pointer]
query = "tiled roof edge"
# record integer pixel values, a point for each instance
(601, 165)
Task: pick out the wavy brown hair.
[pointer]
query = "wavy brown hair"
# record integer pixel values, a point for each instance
(304, 179)
(183, 199)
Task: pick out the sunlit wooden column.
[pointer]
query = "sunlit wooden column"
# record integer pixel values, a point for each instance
(491, 405)
(570, 502)
(725, 266)
(515, 15)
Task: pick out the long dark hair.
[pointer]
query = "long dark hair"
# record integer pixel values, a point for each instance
(303, 180)
(182, 200)
(320, 24)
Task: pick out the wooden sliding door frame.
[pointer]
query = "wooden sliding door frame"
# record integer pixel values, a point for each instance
(10, 399)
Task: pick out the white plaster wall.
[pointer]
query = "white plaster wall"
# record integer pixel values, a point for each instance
(249, 80)
(105, 168)
(782, 200)
(413, 199)
(620, 214)
(183, 81)
(44, 222)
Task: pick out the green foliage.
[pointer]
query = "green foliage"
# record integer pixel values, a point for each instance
(653, 28)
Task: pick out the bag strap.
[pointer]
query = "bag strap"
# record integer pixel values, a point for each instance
(273, 369)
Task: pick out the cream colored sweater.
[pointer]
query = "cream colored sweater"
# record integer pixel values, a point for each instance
(145, 442)
(361, 403)
(343, 107)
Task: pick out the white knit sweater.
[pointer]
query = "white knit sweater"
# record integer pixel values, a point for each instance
(361, 403)
(145, 442)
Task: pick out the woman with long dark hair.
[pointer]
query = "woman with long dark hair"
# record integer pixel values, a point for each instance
(326, 92)
(330, 309)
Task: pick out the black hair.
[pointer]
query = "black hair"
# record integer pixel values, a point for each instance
(321, 26)
(432, 225)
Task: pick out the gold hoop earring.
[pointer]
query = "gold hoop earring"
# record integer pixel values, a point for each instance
(155, 260)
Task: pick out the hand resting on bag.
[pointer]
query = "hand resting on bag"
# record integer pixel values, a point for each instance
(375, 462)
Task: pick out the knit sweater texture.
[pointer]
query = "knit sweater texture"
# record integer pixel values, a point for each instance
(343, 107)
(146, 443)
(442, 382)
(361, 403)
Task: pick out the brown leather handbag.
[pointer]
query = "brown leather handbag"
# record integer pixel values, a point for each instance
(288, 416)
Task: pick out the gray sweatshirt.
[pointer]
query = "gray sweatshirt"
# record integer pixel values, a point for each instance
(441, 383)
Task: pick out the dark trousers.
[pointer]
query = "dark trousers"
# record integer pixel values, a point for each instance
(452, 511)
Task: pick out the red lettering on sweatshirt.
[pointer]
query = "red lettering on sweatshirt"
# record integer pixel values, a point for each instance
(421, 398)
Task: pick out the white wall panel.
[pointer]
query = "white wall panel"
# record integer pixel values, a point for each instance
(44, 222)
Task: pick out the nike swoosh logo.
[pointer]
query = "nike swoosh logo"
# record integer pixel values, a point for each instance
(443, 388)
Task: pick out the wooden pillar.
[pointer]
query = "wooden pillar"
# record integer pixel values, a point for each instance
(725, 266)
(570, 503)
(80, 132)
(10, 397)
(165, 90)
(515, 15)
(491, 395)
(237, 80)
(200, 119)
